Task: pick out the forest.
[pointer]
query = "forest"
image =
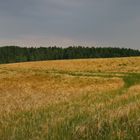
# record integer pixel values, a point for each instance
(13, 54)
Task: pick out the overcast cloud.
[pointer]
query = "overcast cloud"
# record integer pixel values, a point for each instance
(70, 22)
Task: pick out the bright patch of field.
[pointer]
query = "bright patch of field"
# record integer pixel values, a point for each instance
(70, 100)
(85, 65)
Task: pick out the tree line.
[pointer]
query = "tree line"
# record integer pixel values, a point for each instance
(12, 54)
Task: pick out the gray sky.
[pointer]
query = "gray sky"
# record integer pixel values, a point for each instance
(70, 22)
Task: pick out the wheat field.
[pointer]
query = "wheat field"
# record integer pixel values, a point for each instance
(83, 99)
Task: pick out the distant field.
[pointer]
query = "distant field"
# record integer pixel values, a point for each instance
(83, 99)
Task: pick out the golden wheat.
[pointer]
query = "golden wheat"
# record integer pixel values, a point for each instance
(102, 89)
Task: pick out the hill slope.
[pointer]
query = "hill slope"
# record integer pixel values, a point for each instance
(70, 99)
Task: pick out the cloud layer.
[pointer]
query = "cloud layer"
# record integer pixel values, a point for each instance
(70, 22)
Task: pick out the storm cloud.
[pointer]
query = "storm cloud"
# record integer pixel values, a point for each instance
(70, 22)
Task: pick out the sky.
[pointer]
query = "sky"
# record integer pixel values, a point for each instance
(66, 23)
